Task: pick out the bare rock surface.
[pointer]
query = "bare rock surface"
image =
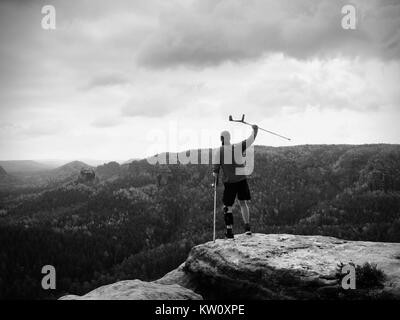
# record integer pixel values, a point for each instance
(273, 266)
(281, 266)
(137, 290)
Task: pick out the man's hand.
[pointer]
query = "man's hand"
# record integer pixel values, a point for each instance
(215, 183)
(255, 127)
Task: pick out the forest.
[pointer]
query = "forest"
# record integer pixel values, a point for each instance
(139, 221)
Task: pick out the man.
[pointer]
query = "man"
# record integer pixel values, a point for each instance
(234, 183)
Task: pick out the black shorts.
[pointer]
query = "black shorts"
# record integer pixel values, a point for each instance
(241, 189)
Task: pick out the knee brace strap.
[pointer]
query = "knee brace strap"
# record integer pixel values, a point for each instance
(228, 216)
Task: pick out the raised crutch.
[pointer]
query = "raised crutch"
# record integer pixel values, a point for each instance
(244, 122)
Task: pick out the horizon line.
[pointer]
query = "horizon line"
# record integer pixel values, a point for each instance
(146, 157)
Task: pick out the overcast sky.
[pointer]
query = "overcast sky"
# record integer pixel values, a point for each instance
(115, 75)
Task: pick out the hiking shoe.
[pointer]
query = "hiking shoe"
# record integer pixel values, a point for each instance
(247, 229)
(229, 234)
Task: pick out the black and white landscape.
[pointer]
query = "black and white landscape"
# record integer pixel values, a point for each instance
(91, 91)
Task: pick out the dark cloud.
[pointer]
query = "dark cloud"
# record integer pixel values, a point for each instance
(211, 32)
(108, 79)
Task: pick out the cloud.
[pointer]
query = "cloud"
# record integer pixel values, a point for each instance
(164, 95)
(41, 128)
(210, 32)
(106, 122)
(151, 107)
(106, 80)
(335, 84)
(112, 70)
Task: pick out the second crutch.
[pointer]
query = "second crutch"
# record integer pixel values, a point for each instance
(215, 203)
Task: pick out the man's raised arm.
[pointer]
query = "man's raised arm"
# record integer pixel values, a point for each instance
(249, 141)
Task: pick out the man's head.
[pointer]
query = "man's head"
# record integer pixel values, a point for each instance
(225, 138)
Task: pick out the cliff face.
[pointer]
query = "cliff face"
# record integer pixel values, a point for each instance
(274, 266)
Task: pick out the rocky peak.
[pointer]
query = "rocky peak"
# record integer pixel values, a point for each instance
(275, 266)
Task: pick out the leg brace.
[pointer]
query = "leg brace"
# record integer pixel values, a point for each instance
(228, 216)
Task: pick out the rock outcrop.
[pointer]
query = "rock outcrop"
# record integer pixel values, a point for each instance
(274, 266)
(137, 290)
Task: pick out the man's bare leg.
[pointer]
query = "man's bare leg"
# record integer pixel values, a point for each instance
(245, 211)
(245, 215)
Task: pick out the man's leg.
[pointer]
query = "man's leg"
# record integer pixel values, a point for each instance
(228, 217)
(228, 200)
(245, 211)
(245, 215)
(243, 196)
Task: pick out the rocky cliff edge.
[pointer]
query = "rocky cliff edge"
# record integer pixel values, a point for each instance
(273, 266)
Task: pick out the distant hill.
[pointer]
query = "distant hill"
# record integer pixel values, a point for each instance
(53, 163)
(109, 170)
(29, 173)
(2, 172)
(12, 166)
(130, 160)
(99, 162)
(70, 169)
(5, 178)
